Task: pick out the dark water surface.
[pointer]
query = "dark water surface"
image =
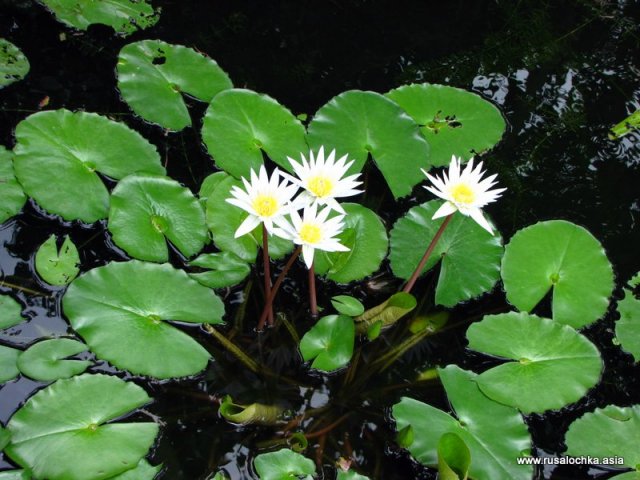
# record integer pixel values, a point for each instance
(563, 72)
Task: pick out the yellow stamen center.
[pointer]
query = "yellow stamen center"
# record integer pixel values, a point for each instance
(265, 205)
(310, 233)
(320, 186)
(461, 193)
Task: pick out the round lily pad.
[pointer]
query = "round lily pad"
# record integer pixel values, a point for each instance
(13, 197)
(453, 121)
(209, 184)
(329, 343)
(361, 123)
(120, 310)
(144, 471)
(347, 305)
(153, 75)
(350, 475)
(10, 311)
(224, 269)
(8, 363)
(470, 255)
(45, 361)
(553, 365)
(628, 326)
(63, 432)
(284, 464)
(14, 65)
(240, 124)
(74, 148)
(57, 267)
(495, 434)
(562, 256)
(146, 211)
(365, 236)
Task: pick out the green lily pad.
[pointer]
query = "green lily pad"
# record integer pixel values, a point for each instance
(5, 437)
(365, 236)
(209, 184)
(62, 432)
(347, 305)
(453, 121)
(454, 457)
(629, 124)
(144, 471)
(225, 269)
(146, 211)
(124, 16)
(361, 123)
(240, 124)
(15, 475)
(120, 310)
(620, 426)
(75, 147)
(495, 434)
(10, 311)
(45, 361)
(256, 413)
(563, 256)
(350, 475)
(387, 313)
(628, 326)
(284, 465)
(329, 342)
(14, 65)
(223, 220)
(470, 255)
(13, 197)
(153, 75)
(8, 363)
(57, 267)
(553, 364)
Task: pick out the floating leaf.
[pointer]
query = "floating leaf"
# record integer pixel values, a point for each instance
(15, 475)
(628, 326)
(350, 475)
(256, 413)
(143, 471)
(45, 361)
(240, 124)
(57, 267)
(470, 255)
(10, 311)
(124, 16)
(13, 197)
(120, 308)
(495, 434)
(225, 269)
(153, 75)
(209, 184)
(5, 437)
(14, 65)
(75, 147)
(563, 256)
(554, 365)
(366, 238)
(453, 121)
(347, 305)
(627, 125)
(454, 457)
(8, 363)
(284, 465)
(388, 312)
(62, 432)
(146, 211)
(330, 342)
(361, 123)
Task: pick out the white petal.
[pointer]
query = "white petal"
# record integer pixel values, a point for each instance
(477, 215)
(307, 255)
(248, 225)
(334, 205)
(446, 209)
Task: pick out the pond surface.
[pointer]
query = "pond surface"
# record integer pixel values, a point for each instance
(562, 72)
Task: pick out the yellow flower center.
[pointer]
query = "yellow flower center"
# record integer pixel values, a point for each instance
(461, 193)
(310, 233)
(265, 205)
(320, 186)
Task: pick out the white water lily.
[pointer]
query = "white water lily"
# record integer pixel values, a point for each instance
(322, 179)
(465, 192)
(264, 199)
(314, 231)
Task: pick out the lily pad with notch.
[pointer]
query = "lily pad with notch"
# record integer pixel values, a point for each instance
(47, 360)
(628, 326)
(14, 65)
(284, 464)
(223, 269)
(8, 363)
(329, 343)
(144, 471)
(13, 198)
(10, 312)
(57, 266)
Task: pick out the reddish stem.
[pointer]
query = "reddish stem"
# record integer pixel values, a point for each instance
(312, 291)
(267, 269)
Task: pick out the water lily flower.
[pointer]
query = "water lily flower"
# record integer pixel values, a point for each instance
(322, 179)
(264, 199)
(464, 192)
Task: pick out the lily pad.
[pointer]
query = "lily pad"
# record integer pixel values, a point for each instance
(495, 434)
(124, 16)
(57, 267)
(5, 437)
(361, 123)
(209, 184)
(329, 342)
(153, 75)
(454, 458)
(146, 211)
(562, 256)
(10, 311)
(366, 238)
(45, 361)
(240, 124)
(120, 310)
(76, 147)
(63, 432)
(144, 471)
(453, 121)
(13, 197)
(470, 255)
(225, 269)
(8, 363)
(350, 475)
(15, 475)
(14, 65)
(553, 364)
(628, 326)
(284, 464)
(347, 305)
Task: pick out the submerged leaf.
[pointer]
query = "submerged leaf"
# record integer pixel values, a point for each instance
(10, 312)
(14, 65)
(8, 363)
(284, 465)
(225, 269)
(13, 197)
(45, 361)
(256, 413)
(330, 342)
(388, 312)
(57, 267)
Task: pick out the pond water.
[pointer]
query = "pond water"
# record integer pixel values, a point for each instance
(562, 73)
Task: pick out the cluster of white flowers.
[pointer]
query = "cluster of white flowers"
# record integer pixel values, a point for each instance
(271, 202)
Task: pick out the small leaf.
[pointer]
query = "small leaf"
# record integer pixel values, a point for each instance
(284, 465)
(432, 322)
(297, 442)
(388, 312)
(14, 65)
(144, 471)
(330, 342)
(225, 269)
(10, 312)
(374, 331)
(45, 361)
(405, 437)
(347, 305)
(256, 413)
(13, 198)
(627, 125)
(628, 326)
(15, 475)
(8, 363)
(57, 267)
(350, 475)
(454, 457)
(5, 437)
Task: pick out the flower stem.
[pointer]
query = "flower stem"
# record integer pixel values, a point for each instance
(267, 269)
(312, 291)
(409, 285)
